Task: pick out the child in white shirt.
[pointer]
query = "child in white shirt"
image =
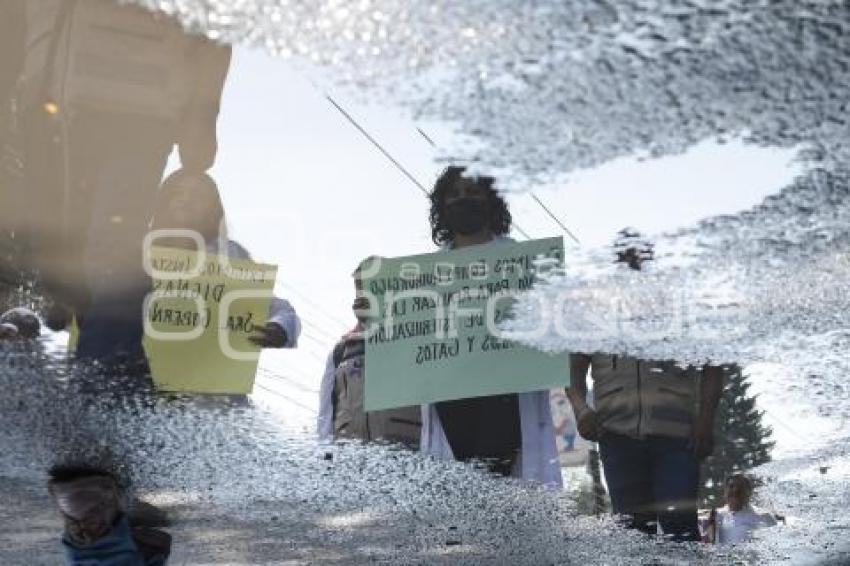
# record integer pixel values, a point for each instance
(736, 521)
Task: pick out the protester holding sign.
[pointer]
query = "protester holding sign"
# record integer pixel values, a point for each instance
(513, 432)
(341, 395)
(191, 201)
(190, 218)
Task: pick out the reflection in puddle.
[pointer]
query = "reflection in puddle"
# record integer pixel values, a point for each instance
(657, 195)
(583, 83)
(764, 286)
(742, 440)
(240, 475)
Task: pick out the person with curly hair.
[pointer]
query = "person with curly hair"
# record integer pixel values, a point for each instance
(514, 433)
(467, 210)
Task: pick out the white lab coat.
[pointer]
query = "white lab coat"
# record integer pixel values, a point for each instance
(738, 526)
(325, 418)
(538, 460)
(281, 312)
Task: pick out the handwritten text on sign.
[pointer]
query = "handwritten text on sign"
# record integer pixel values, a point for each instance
(198, 317)
(435, 335)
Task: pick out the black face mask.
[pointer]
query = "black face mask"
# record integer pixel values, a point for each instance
(467, 216)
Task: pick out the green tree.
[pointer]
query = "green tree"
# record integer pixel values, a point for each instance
(741, 440)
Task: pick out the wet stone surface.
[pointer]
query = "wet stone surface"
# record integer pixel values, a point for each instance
(244, 487)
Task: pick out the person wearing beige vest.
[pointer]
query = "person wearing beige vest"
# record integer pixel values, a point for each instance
(342, 391)
(654, 423)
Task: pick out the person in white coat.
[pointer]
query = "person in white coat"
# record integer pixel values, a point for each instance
(736, 522)
(515, 432)
(191, 201)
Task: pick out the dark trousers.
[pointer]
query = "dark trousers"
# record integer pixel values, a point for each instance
(654, 480)
(484, 428)
(92, 195)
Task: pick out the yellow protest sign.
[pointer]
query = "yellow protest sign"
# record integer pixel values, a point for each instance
(198, 317)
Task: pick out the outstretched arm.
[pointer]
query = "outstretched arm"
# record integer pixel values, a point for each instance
(282, 329)
(325, 418)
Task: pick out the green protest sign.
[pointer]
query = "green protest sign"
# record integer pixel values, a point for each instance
(198, 318)
(435, 337)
